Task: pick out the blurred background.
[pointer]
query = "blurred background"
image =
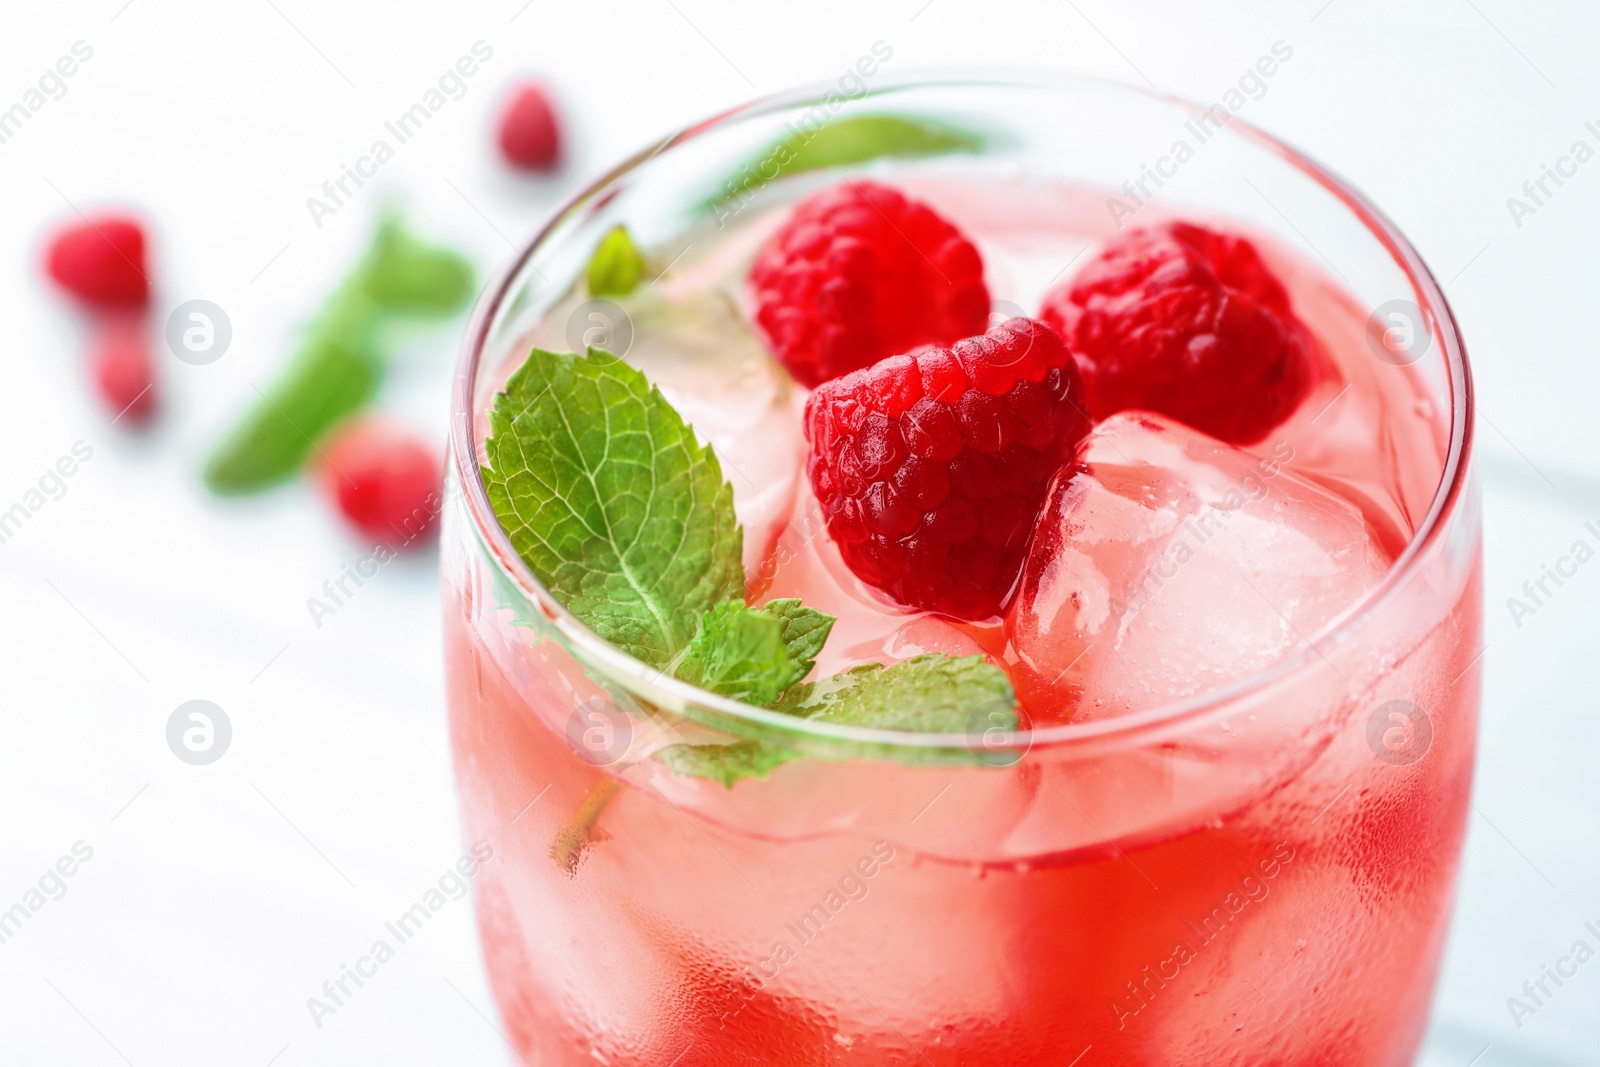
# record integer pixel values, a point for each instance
(207, 902)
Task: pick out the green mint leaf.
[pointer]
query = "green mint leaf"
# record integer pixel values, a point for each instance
(403, 275)
(330, 378)
(845, 141)
(619, 511)
(805, 630)
(617, 265)
(725, 763)
(739, 653)
(931, 694)
(754, 654)
(338, 366)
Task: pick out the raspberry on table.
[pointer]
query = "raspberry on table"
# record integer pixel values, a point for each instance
(1184, 321)
(122, 370)
(860, 272)
(931, 466)
(384, 479)
(101, 262)
(530, 135)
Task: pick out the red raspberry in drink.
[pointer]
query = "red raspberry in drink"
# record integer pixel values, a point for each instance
(530, 135)
(860, 272)
(1188, 322)
(932, 466)
(101, 262)
(384, 479)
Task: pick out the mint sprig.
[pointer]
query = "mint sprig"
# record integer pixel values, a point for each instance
(339, 364)
(607, 495)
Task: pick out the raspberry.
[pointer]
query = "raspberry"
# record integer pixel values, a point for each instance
(860, 272)
(530, 137)
(932, 466)
(121, 369)
(1187, 322)
(384, 480)
(101, 262)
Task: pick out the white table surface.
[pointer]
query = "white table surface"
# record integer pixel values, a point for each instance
(219, 898)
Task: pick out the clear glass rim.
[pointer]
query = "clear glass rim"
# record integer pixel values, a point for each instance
(649, 683)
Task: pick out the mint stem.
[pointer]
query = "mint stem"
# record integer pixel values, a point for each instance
(580, 831)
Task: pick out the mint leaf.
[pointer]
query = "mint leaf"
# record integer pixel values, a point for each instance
(404, 275)
(330, 378)
(617, 265)
(725, 763)
(605, 492)
(865, 137)
(739, 653)
(338, 366)
(840, 142)
(805, 630)
(754, 654)
(611, 501)
(931, 694)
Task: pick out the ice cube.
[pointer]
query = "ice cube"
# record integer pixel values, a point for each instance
(1168, 564)
(868, 627)
(699, 351)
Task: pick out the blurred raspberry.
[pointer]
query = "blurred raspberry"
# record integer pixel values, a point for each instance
(530, 135)
(121, 369)
(385, 479)
(101, 262)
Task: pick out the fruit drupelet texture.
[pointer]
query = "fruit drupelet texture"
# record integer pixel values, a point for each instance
(931, 466)
(1188, 322)
(860, 272)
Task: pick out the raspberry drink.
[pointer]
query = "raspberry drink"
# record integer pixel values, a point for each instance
(932, 624)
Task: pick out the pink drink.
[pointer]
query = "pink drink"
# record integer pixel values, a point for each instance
(1230, 829)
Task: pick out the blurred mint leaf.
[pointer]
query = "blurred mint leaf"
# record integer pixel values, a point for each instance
(725, 763)
(339, 365)
(844, 141)
(617, 265)
(331, 377)
(403, 275)
(619, 511)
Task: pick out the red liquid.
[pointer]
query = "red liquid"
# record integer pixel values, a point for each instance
(1265, 883)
